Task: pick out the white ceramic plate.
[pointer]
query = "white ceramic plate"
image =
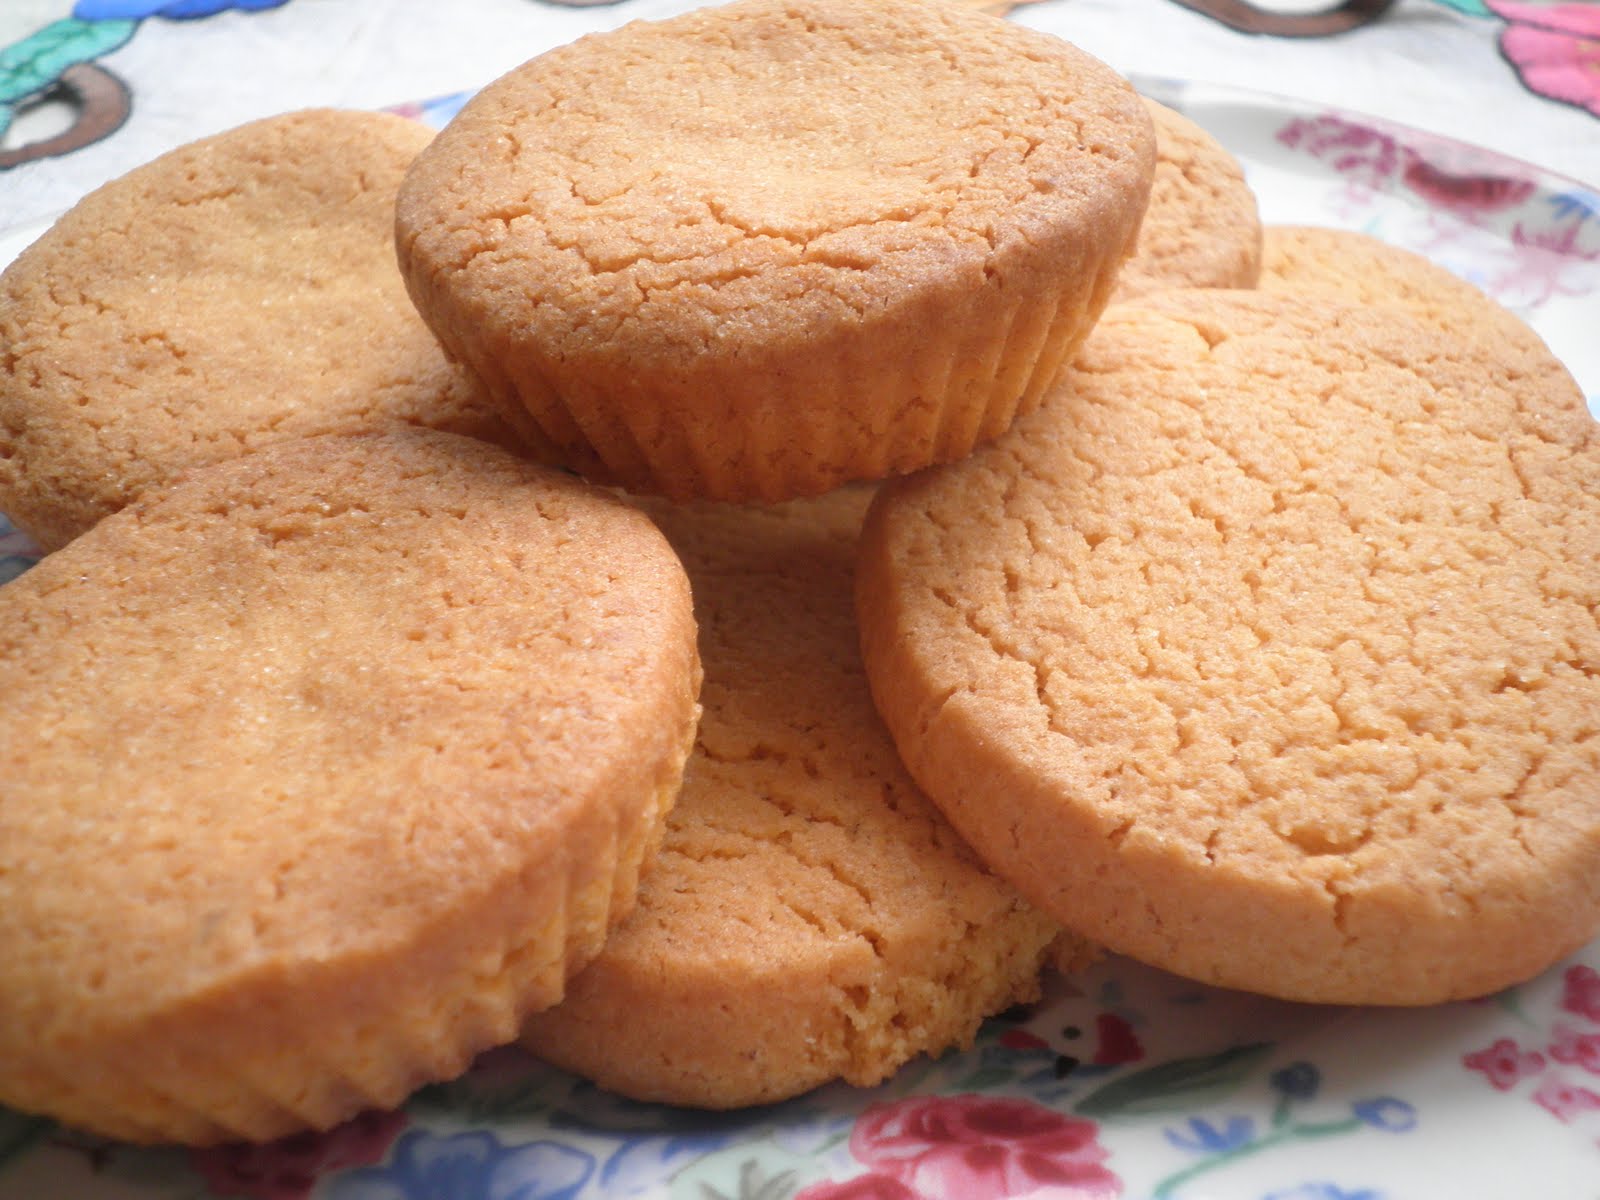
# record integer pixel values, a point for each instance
(1126, 1082)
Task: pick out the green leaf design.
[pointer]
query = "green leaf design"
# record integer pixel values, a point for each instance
(1511, 1001)
(1175, 1085)
(478, 1097)
(985, 1078)
(36, 62)
(759, 1169)
(755, 1184)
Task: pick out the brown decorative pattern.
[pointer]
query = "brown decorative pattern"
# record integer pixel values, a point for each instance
(1251, 18)
(102, 105)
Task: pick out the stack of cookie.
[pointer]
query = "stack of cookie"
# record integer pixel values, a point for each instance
(1247, 631)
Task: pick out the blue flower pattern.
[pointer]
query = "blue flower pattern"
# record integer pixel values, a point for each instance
(468, 1166)
(432, 1165)
(1323, 1191)
(1206, 1138)
(173, 10)
(1218, 1143)
(1386, 1113)
(640, 1164)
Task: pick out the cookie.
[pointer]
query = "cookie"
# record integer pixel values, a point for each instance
(1202, 228)
(1301, 259)
(232, 293)
(1266, 650)
(753, 252)
(811, 916)
(322, 769)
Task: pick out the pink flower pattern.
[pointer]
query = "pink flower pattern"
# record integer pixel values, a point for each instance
(862, 1187)
(1556, 237)
(1117, 1042)
(973, 1147)
(1368, 157)
(1505, 1063)
(1569, 1050)
(288, 1169)
(1566, 1101)
(1554, 48)
(1576, 1049)
(1465, 193)
(1581, 992)
(1359, 153)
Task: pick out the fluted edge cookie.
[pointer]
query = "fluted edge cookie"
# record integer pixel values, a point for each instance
(323, 769)
(753, 252)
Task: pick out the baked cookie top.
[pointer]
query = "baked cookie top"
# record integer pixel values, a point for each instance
(1202, 228)
(681, 215)
(764, 166)
(235, 291)
(806, 893)
(1301, 259)
(1267, 650)
(300, 735)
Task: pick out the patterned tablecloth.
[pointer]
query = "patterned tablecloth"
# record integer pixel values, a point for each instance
(91, 89)
(1126, 1084)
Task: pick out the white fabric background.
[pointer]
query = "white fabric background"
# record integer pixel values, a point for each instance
(1422, 64)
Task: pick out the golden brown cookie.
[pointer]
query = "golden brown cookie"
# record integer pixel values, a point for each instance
(1266, 651)
(1302, 259)
(811, 916)
(322, 769)
(234, 292)
(1202, 228)
(755, 251)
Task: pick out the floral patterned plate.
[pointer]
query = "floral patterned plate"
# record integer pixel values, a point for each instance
(1124, 1082)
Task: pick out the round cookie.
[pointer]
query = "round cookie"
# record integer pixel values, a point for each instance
(810, 916)
(1266, 651)
(322, 769)
(755, 251)
(1307, 259)
(234, 292)
(1202, 228)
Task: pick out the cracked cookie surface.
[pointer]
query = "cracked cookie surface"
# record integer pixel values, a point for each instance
(811, 915)
(756, 251)
(1302, 259)
(322, 769)
(1267, 650)
(234, 292)
(1202, 228)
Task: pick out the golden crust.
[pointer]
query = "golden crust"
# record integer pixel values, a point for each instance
(1202, 228)
(234, 292)
(756, 251)
(1267, 651)
(1308, 260)
(811, 916)
(323, 768)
